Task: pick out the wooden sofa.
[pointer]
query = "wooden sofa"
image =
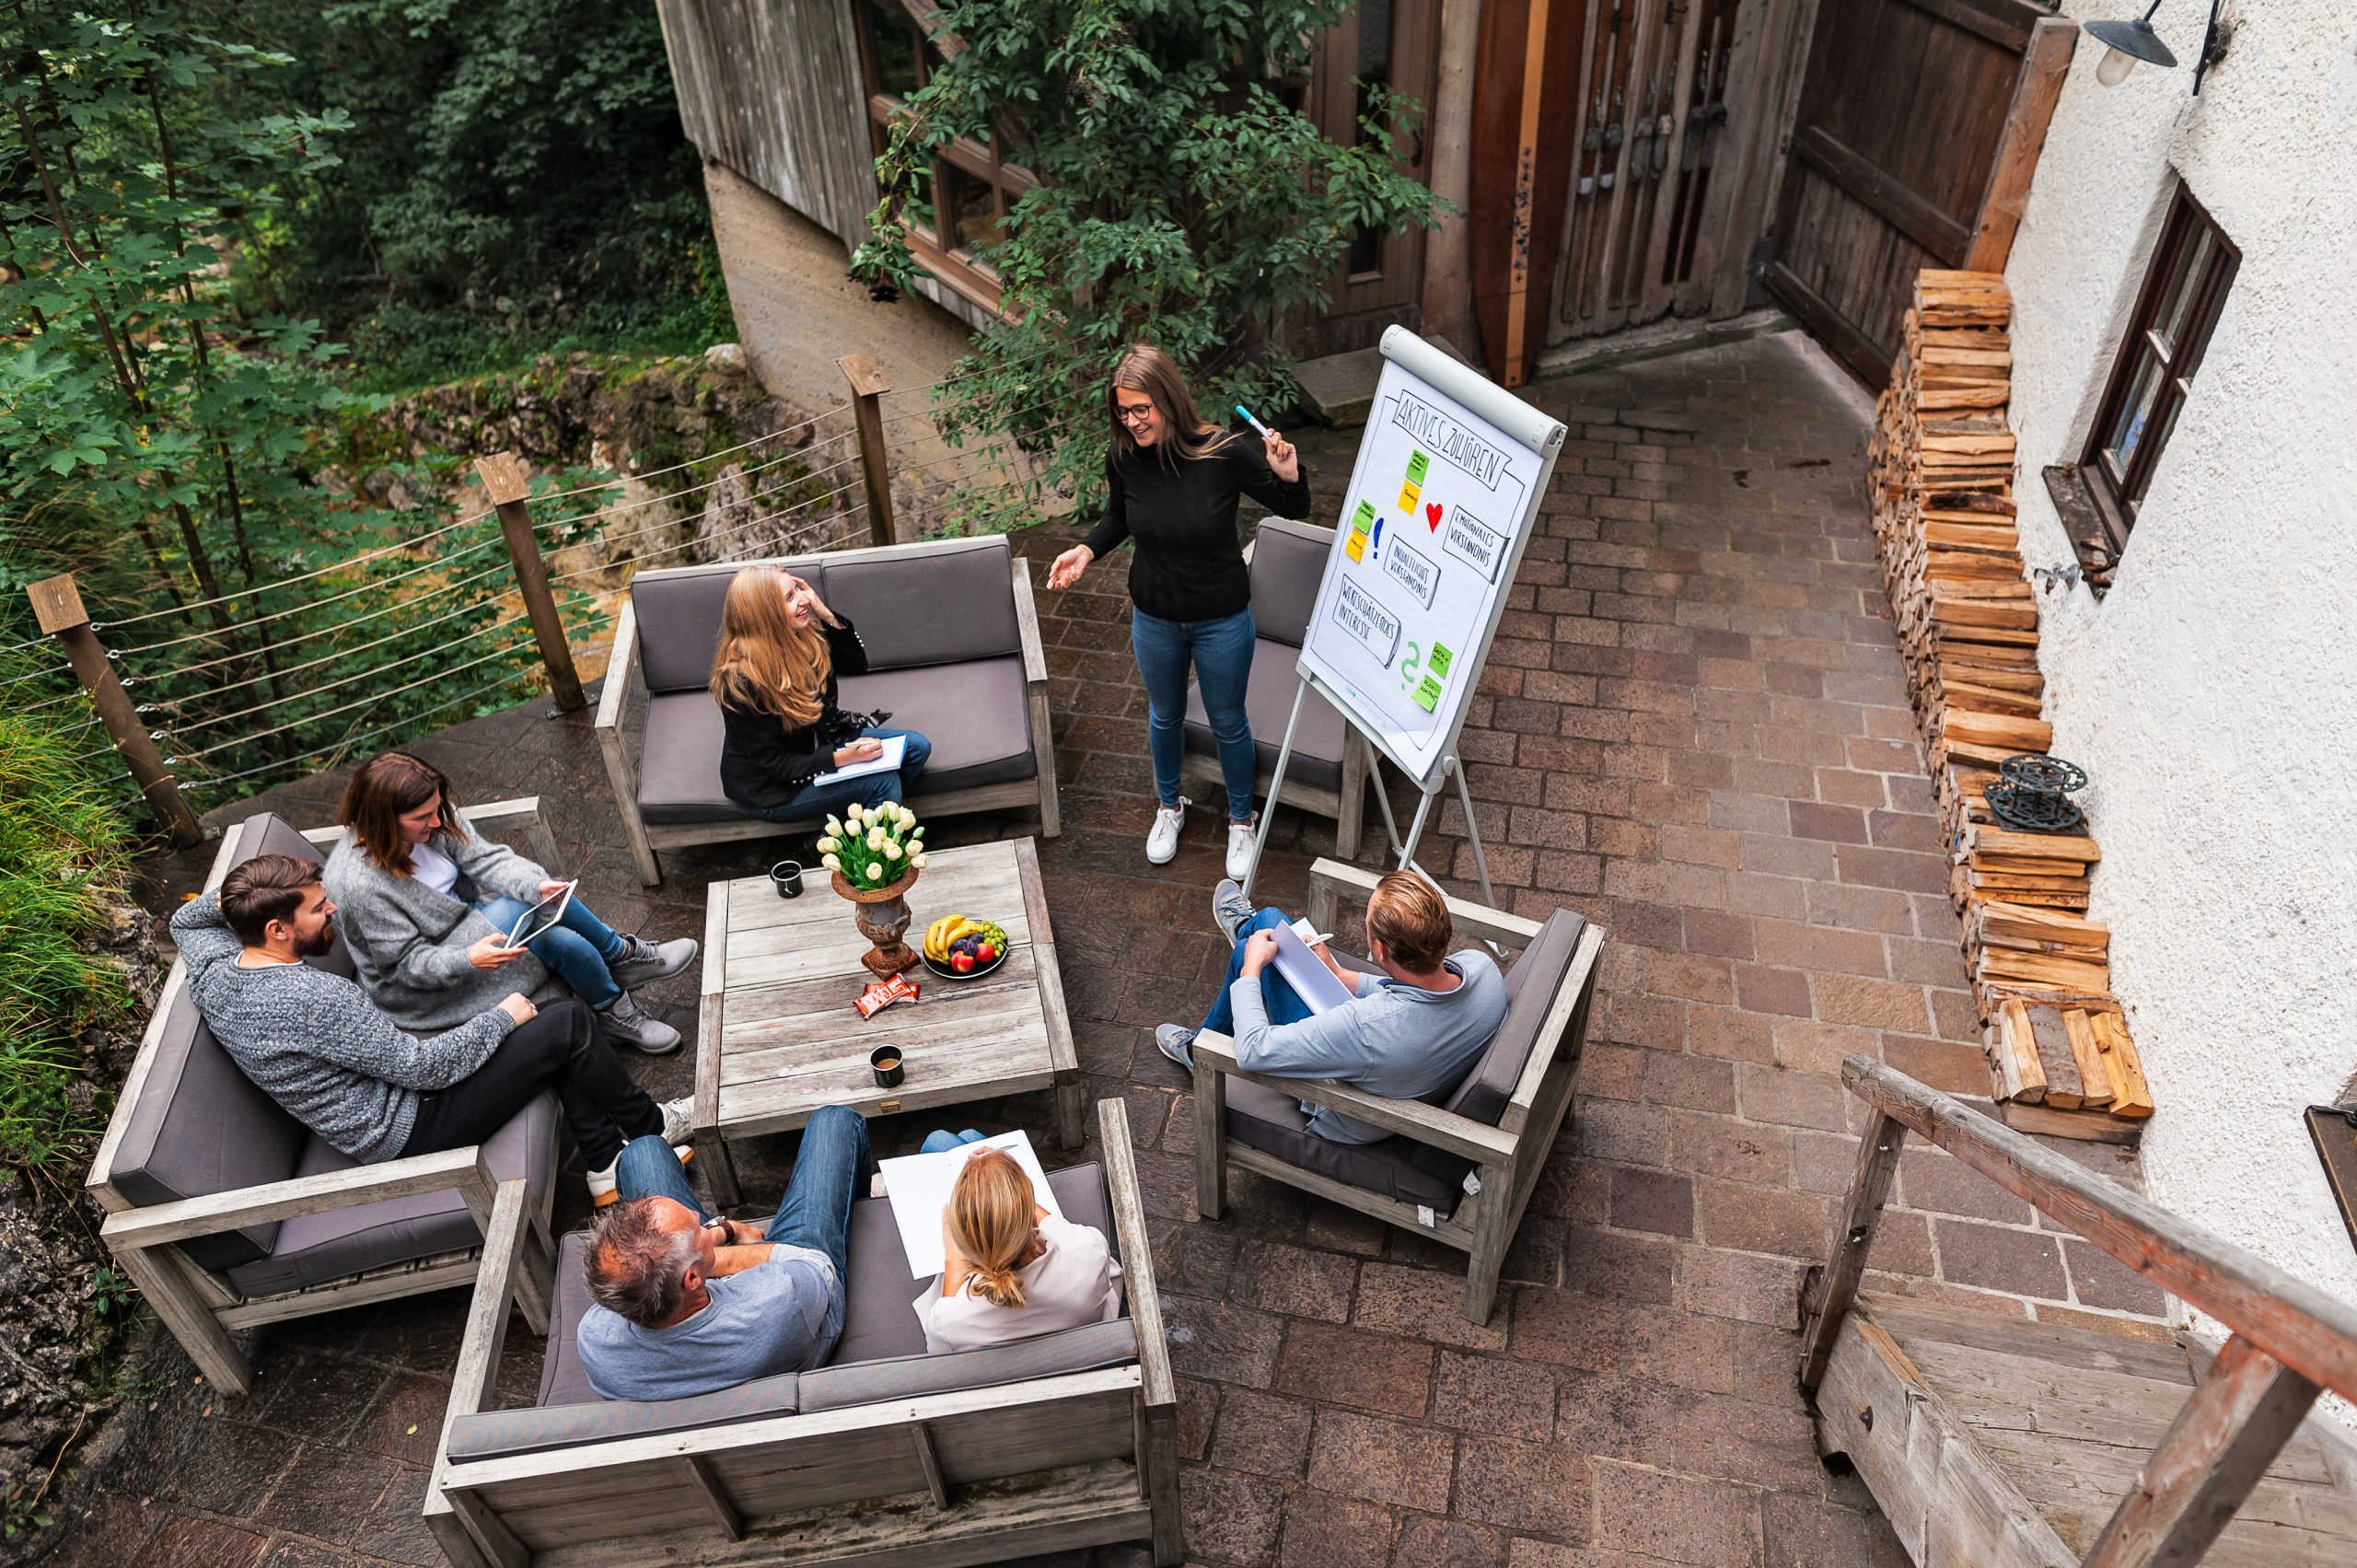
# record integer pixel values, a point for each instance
(229, 1213)
(885, 1455)
(1331, 763)
(953, 642)
(1460, 1172)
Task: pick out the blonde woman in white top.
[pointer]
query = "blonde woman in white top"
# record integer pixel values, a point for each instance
(1014, 1271)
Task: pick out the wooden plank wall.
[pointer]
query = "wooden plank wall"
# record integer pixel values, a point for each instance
(772, 89)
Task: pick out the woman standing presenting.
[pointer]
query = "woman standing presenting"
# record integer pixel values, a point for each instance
(1175, 479)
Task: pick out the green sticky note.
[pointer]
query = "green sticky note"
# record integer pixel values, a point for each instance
(1428, 694)
(1437, 661)
(1364, 518)
(1417, 464)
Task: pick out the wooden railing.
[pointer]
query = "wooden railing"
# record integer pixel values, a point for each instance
(2288, 1340)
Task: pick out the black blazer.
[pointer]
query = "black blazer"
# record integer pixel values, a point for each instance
(764, 760)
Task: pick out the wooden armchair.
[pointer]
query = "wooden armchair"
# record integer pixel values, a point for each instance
(885, 1455)
(954, 651)
(228, 1214)
(1460, 1172)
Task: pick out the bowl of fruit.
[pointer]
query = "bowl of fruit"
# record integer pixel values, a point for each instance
(958, 946)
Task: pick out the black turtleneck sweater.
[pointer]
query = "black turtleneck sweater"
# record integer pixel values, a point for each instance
(1180, 513)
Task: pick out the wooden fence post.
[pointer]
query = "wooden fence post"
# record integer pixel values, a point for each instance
(57, 605)
(505, 483)
(867, 384)
(1837, 1287)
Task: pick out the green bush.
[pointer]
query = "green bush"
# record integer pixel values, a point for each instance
(62, 856)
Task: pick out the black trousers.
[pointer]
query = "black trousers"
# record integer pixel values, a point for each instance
(560, 1049)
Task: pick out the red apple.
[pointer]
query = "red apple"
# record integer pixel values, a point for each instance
(961, 962)
(985, 953)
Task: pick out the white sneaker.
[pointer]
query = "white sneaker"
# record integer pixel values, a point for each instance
(1239, 849)
(679, 1120)
(1161, 842)
(602, 1192)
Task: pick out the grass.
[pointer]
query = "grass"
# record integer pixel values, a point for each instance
(62, 851)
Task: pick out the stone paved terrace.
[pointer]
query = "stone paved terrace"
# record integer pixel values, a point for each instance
(1692, 728)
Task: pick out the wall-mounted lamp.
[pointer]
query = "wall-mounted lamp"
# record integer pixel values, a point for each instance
(2126, 43)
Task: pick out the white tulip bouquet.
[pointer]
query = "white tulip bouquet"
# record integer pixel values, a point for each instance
(873, 846)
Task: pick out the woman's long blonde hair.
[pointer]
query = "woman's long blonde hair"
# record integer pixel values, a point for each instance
(1145, 368)
(763, 658)
(991, 1223)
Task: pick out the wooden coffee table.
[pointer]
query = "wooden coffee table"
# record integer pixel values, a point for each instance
(777, 1035)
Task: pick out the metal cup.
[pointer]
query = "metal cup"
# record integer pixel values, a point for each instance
(886, 1059)
(786, 877)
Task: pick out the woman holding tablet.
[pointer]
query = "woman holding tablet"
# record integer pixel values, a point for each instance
(1175, 478)
(426, 904)
(774, 676)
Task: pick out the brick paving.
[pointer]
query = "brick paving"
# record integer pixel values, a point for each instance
(1693, 730)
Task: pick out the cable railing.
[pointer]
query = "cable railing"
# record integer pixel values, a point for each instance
(297, 673)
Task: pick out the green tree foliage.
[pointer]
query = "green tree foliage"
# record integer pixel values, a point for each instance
(1182, 200)
(508, 169)
(165, 446)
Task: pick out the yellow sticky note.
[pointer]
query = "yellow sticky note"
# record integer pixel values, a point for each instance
(1409, 495)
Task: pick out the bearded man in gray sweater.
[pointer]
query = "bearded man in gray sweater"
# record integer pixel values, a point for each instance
(314, 1042)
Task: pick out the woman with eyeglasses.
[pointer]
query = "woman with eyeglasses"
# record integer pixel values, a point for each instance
(1175, 478)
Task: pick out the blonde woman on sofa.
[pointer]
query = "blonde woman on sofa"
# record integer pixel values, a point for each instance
(774, 676)
(1013, 1270)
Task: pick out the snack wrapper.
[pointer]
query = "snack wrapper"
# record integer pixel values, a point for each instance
(876, 996)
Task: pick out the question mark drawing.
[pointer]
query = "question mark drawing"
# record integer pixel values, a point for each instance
(1410, 667)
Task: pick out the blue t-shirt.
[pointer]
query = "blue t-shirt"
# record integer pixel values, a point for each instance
(782, 1316)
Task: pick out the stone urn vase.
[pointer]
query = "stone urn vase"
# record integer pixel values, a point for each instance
(883, 918)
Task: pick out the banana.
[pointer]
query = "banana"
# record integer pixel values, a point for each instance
(936, 941)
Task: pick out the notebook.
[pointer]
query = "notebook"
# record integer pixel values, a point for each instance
(918, 1187)
(1306, 971)
(895, 748)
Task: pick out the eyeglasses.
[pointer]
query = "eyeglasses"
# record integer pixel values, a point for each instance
(1138, 414)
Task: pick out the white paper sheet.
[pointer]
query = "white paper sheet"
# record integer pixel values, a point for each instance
(895, 748)
(919, 1185)
(1306, 971)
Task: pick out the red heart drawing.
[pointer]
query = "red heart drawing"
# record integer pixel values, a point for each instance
(1431, 516)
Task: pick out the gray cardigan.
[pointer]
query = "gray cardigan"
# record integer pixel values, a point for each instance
(310, 1040)
(409, 941)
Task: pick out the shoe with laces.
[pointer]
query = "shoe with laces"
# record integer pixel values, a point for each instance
(1240, 848)
(1230, 908)
(602, 1190)
(679, 1120)
(1176, 1042)
(626, 1023)
(644, 962)
(1162, 841)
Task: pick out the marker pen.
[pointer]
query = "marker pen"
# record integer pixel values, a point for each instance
(1265, 434)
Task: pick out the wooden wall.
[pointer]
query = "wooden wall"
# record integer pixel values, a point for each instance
(772, 89)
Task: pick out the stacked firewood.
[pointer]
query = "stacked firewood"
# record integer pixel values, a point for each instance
(1942, 471)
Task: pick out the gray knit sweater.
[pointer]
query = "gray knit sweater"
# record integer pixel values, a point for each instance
(311, 1040)
(410, 942)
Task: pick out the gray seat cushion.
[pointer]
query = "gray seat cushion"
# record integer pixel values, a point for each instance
(564, 1381)
(1273, 1123)
(977, 714)
(948, 605)
(200, 1126)
(1318, 745)
(878, 1321)
(678, 613)
(312, 1250)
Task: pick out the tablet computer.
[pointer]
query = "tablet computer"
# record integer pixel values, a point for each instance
(541, 917)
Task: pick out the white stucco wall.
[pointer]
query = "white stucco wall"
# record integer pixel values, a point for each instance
(2210, 695)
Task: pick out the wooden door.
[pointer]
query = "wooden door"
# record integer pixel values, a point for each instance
(1393, 44)
(1920, 122)
(1521, 158)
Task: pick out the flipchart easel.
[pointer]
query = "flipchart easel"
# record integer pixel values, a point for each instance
(1431, 415)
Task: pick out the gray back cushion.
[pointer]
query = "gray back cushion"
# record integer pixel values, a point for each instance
(906, 1376)
(679, 619)
(1288, 560)
(1531, 984)
(936, 605)
(200, 1126)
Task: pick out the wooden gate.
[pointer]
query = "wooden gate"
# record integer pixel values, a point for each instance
(1919, 126)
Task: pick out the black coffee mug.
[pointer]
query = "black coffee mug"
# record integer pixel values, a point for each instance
(786, 877)
(886, 1059)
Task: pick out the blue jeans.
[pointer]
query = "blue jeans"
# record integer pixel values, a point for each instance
(1222, 651)
(1284, 1007)
(830, 1172)
(578, 949)
(815, 801)
(944, 1140)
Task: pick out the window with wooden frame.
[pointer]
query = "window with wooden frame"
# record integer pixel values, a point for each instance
(2185, 288)
(964, 195)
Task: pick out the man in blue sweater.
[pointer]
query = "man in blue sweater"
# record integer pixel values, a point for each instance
(1412, 1032)
(314, 1042)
